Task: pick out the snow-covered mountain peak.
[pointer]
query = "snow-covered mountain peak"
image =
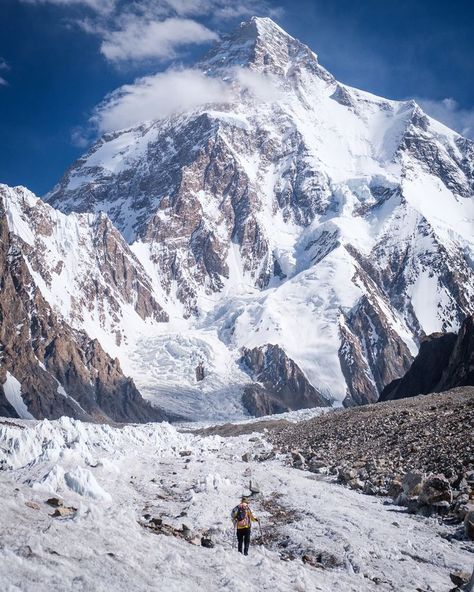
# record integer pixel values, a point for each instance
(261, 45)
(301, 213)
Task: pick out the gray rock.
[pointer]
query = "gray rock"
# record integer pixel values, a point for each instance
(469, 525)
(412, 483)
(207, 542)
(459, 578)
(435, 489)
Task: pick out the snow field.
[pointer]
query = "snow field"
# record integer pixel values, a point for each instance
(103, 546)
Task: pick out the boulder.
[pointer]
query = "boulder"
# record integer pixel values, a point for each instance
(469, 525)
(207, 542)
(459, 578)
(55, 502)
(322, 559)
(395, 488)
(346, 475)
(412, 483)
(317, 465)
(297, 459)
(63, 511)
(435, 489)
(32, 505)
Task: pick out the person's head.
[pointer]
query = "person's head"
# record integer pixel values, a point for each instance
(244, 500)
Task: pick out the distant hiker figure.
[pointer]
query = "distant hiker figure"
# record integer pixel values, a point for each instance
(242, 518)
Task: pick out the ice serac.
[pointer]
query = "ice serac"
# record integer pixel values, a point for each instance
(298, 211)
(47, 368)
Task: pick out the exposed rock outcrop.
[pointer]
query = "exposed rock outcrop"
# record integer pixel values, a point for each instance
(444, 361)
(280, 385)
(371, 353)
(81, 263)
(59, 371)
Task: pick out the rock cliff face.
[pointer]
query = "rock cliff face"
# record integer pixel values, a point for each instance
(298, 211)
(48, 369)
(82, 266)
(445, 361)
(371, 353)
(280, 385)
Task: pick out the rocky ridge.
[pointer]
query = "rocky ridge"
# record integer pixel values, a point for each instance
(444, 361)
(279, 385)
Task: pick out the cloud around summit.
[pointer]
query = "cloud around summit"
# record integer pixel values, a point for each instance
(449, 112)
(174, 91)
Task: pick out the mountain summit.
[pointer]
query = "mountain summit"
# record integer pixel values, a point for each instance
(258, 44)
(299, 231)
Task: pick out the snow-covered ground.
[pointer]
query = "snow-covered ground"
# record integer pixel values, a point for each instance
(114, 476)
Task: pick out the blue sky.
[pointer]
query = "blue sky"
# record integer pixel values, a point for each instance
(60, 58)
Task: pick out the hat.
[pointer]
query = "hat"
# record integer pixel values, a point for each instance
(244, 499)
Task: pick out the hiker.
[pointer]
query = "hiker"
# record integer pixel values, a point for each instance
(242, 518)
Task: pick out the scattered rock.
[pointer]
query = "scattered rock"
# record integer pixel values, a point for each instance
(413, 450)
(435, 489)
(32, 505)
(321, 559)
(346, 475)
(185, 452)
(298, 460)
(317, 465)
(207, 542)
(469, 525)
(246, 457)
(411, 484)
(200, 374)
(55, 502)
(459, 578)
(63, 512)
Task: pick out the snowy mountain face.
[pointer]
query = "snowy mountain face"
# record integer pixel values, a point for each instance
(299, 212)
(48, 369)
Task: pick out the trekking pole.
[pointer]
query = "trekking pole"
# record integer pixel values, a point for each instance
(261, 533)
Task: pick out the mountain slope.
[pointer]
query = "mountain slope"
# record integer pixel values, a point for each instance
(298, 212)
(47, 368)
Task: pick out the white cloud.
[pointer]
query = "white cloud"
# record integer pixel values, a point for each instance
(137, 30)
(153, 97)
(139, 39)
(100, 6)
(80, 138)
(3, 66)
(175, 91)
(262, 87)
(448, 112)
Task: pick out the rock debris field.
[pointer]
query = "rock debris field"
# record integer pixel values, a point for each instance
(420, 451)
